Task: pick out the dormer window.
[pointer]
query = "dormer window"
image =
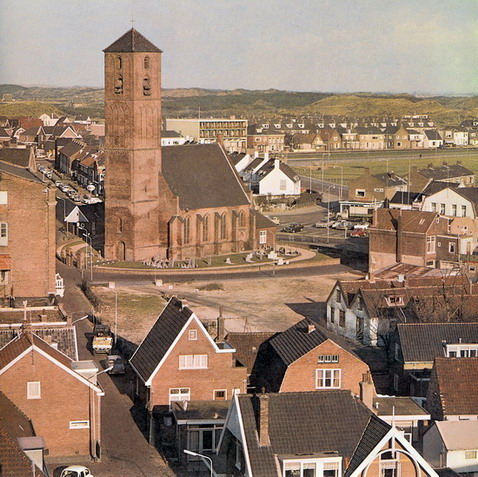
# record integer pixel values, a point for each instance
(146, 86)
(394, 300)
(461, 350)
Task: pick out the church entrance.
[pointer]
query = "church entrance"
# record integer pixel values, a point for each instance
(121, 251)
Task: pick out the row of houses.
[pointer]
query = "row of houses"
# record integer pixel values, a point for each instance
(299, 402)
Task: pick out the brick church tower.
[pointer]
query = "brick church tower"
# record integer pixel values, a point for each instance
(133, 148)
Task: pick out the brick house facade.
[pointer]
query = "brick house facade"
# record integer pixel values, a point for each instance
(65, 406)
(179, 361)
(27, 234)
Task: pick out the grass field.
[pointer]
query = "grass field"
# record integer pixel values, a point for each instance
(333, 171)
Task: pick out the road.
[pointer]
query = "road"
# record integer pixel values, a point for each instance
(332, 192)
(125, 451)
(435, 155)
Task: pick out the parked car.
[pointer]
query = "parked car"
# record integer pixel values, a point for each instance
(361, 225)
(102, 339)
(343, 225)
(76, 471)
(324, 223)
(293, 228)
(358, 233)
(116, 363)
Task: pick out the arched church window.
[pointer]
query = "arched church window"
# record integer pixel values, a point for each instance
(119, 62)
(187, 230)
(119, 85)
(146, 62)
(223, 227)
(120, 224)
(146, 86)
(242, 219)
(205, 228)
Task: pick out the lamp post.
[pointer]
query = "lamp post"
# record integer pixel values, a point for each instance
(187, 451)
(341, 180)
(328, 212)
(88, 237)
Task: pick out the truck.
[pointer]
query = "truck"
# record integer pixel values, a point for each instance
(102, 339)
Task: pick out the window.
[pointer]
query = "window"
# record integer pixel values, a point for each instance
(119, 62)
(396, 382)
(242, 219)
(327, 378)
(220, 395)
(431, 241)
(311, 468)
(193, 361)
(3, 197)
(442, 209)
(395, 300)
(328, 358)
(471, 454)
(378, 189)
(193, 335)
(338, 295)
(146, 63)
(342, 318)
(187, 230)
(146, 86)
(463, 210)
(359, 304)
(79, 424)
(451, 247)
(434, 206)
(179, 394)
(120, 224)
(119, 85)
(33, 390)
(389, 466)
(359, 192)
(3, 234)
(222, 226)
(454, 210)
(283, 184)
(263, 237)
(205, 229)
(461, 350)
(3, 278)
(203, 437)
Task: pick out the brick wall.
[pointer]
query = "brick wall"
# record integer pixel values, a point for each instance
(63, 399)
(301, 375)
(30, 215)
(220, 373)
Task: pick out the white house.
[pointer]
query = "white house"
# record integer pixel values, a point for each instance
(277, 178)
(240, 160)
(432, 139)
(49, 120)
(453, 202)
(460, 137)
(453, 444)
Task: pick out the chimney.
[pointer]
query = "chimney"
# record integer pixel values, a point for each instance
(367, 390)
(221, 332)
(399, 237)
(310, 328)
(264, 419)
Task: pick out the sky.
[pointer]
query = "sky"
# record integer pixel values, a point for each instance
(397, 46)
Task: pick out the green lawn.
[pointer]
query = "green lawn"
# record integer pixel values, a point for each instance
(351, 170)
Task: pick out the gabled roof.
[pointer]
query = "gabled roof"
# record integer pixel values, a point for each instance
(19, 172)
(458, 435)
(202, 176)
(297, 340)
(247, 345)
(390, 178)
(426, 341)
(26, 341)
(132, 41)
(436, 186)
(412, 220)
(457, 380)
(445, 171)
(263, 222)
(16, 156)
(433, 134)
(302, 423)
(269, 166)
(160, 338)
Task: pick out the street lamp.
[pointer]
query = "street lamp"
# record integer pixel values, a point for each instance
(341, 180)
(187, 451)
(328, 212)
(88, 237)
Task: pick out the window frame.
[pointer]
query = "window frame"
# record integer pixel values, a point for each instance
(30, 393)
(193, 335)
(321, 377)
(193, 361)
(80, 424)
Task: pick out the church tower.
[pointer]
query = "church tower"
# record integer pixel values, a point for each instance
(133, 148)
